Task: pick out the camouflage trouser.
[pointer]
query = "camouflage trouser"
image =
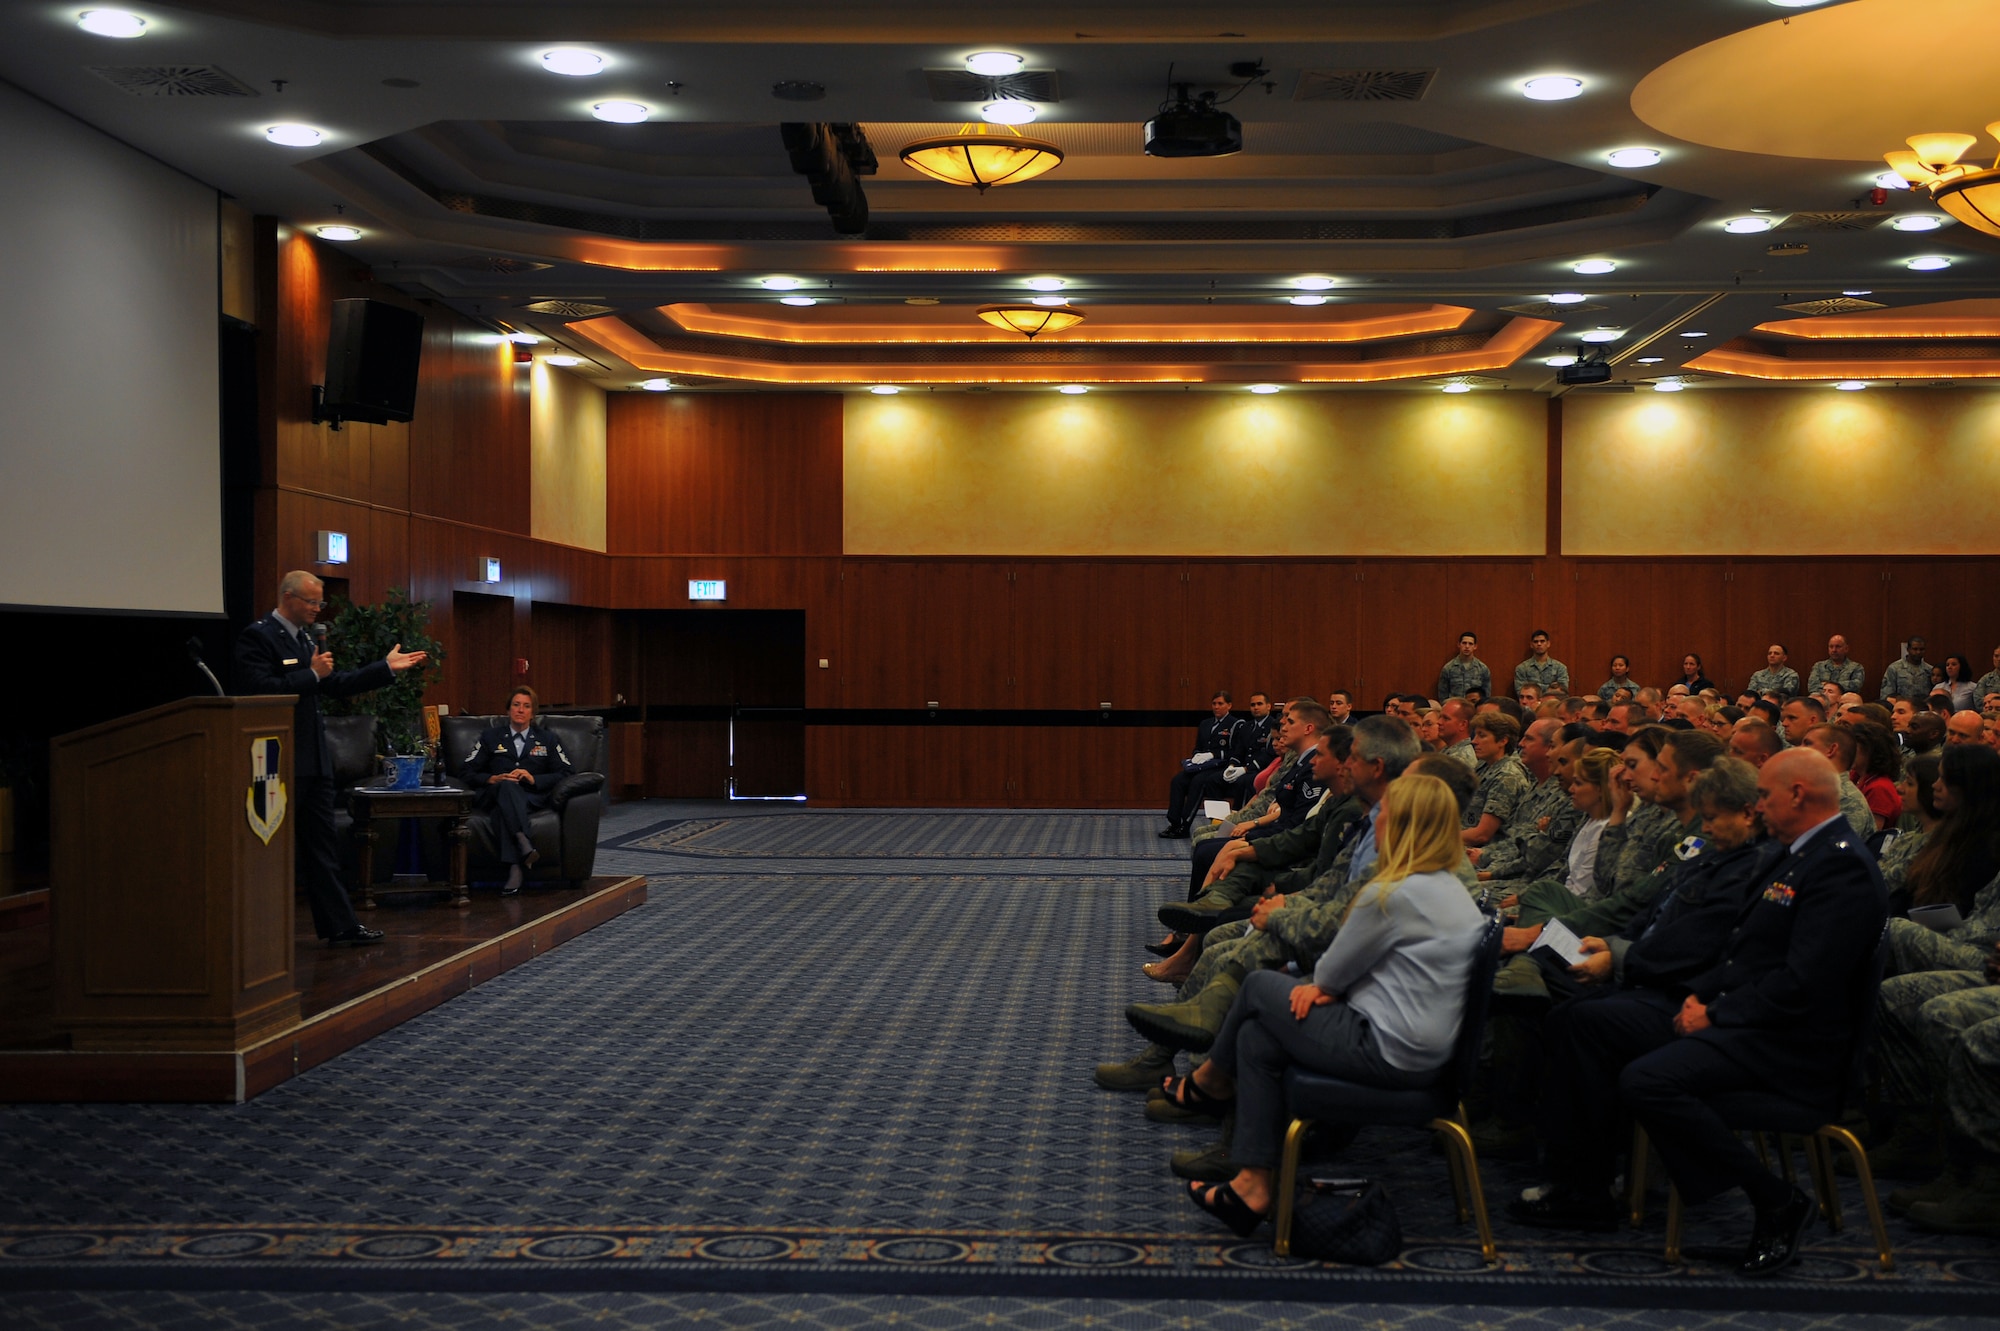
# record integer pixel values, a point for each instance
(1232, 949)
(1912, 1038)
(1913, 948)
(1972, 1073)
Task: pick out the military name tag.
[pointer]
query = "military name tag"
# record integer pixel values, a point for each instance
(265, 802)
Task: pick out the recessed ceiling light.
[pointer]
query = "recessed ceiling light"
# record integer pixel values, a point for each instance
(622, 113)
(1796, 4)
(885, 390)
(1048, 300)
(1629, 157)
(564, 360)
(1890, 180)
(1604, 335)
(1594, 267)
(1566, 298)
(1918, 222)
(1747, 226)
(1311, 283)
(1074, 390)
(800, 301)
(572, 60)
(1308, 298)
(1928, 263)
(523, 339)
(782, 283)
(111, 23)
(1669, 386)
(1859, 291)
(1560, 361)
(1649, 360)
(1552, 88)
(994, 64)
(1456, 387)
(1851, 385)
(1045, 284)
(1008, 112)
(338, 232)
(294, 136)
(1692, 332)
(657, 385)
(1263, 388)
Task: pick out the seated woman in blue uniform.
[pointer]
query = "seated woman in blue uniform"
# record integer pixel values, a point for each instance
(515, 767)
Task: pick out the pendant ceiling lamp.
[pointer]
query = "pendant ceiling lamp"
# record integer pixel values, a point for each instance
(1030, 320)
(1968, 192)
(974, 157)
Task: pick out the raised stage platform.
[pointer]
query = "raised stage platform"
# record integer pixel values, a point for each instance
(434, 952)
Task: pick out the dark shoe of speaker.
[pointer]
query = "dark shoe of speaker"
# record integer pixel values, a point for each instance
(359, 936)
(1778, 1237)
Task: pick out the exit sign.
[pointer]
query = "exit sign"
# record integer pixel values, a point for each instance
(707, 589)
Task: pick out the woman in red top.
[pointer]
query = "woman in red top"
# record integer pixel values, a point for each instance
(1877, 765)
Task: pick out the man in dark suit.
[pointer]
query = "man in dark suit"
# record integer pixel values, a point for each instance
(278, 654)
(517, 766)
(1769, 1012)
(1212, 741)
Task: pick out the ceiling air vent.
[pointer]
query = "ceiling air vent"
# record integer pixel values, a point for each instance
(1833, 305)
(1363, 85)
(1840, 221)
(962, 85)
(173, 81)
(1543, 309)
(494, 263)
(568, 309)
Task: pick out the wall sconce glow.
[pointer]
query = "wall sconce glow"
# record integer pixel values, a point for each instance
(1928, 263)
(523, 339)
(333, 547)
(294, 136)
(885, 390)
(1566, 298)
(1008, 112)
(1594, 267)
(1560, 361)
(707, 589)
(1073, 390)
(1263, 389)
(1457, 387)
(995, 64)
(1669, 386)
(1917, 222)
(1312, 283)
(564, 360)
(1604, 335)
(1630, 157)
(111, 23)
(487, 570)
(658, 385)
(1851, 385)
(1308, 298)
(622, 113)
(1890, 180)
(1045, 283)
(1747, 226)
(1552, 88)
(781, 283)
(339, 232)
(800, 301)
(573, 60)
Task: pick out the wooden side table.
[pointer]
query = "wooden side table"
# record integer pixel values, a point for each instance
(455, 806)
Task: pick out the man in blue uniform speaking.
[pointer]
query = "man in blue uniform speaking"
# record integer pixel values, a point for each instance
(280, 654)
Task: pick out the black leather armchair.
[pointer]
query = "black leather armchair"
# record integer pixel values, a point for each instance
(350, 743)
(565, 833)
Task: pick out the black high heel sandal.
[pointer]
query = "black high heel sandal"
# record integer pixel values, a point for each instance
(1220, 1200)
(1175, 942)
(1186, 1093)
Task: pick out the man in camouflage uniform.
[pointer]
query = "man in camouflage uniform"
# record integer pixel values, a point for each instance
(1541, 669)
(1455, 732)
(1972, 1094)
(1776, 677)
(1536, 839)
(1989, 683)
(1837, 669)
(1908, 676)
(1465, 672)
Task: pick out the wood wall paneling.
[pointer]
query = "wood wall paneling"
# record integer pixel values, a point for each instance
(687, 760)
(1053, 635)
(571, 655)
(1405, 629)
(479, 665)
(1138, 617)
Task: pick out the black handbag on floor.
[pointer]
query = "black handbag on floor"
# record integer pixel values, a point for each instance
(1346, 1220)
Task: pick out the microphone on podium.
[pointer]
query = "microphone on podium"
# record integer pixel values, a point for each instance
(194, 655)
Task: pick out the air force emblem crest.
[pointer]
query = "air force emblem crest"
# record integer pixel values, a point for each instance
(266, 801)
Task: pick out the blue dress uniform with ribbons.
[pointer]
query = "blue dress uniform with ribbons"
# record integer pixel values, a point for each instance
(502, 749)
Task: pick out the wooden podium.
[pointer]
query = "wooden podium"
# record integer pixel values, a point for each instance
(171, 877)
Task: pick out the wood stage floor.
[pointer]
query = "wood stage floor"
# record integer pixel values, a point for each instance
(347, 995)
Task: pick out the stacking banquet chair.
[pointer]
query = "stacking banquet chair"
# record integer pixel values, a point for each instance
(1761, 1112)
(566, 832)
(1313, 1097)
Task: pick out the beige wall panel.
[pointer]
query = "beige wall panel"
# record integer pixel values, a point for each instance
(1781, 472)
(566, 452)
(1183, 473)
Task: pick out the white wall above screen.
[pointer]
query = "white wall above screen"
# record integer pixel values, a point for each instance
(110, 428)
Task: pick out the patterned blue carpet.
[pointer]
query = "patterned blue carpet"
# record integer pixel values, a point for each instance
(865, 1077)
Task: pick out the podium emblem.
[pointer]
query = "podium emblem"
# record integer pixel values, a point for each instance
(266, 801)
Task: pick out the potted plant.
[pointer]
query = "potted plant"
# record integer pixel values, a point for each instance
(364, 633)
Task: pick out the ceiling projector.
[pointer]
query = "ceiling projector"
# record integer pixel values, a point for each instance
(1193, 127)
